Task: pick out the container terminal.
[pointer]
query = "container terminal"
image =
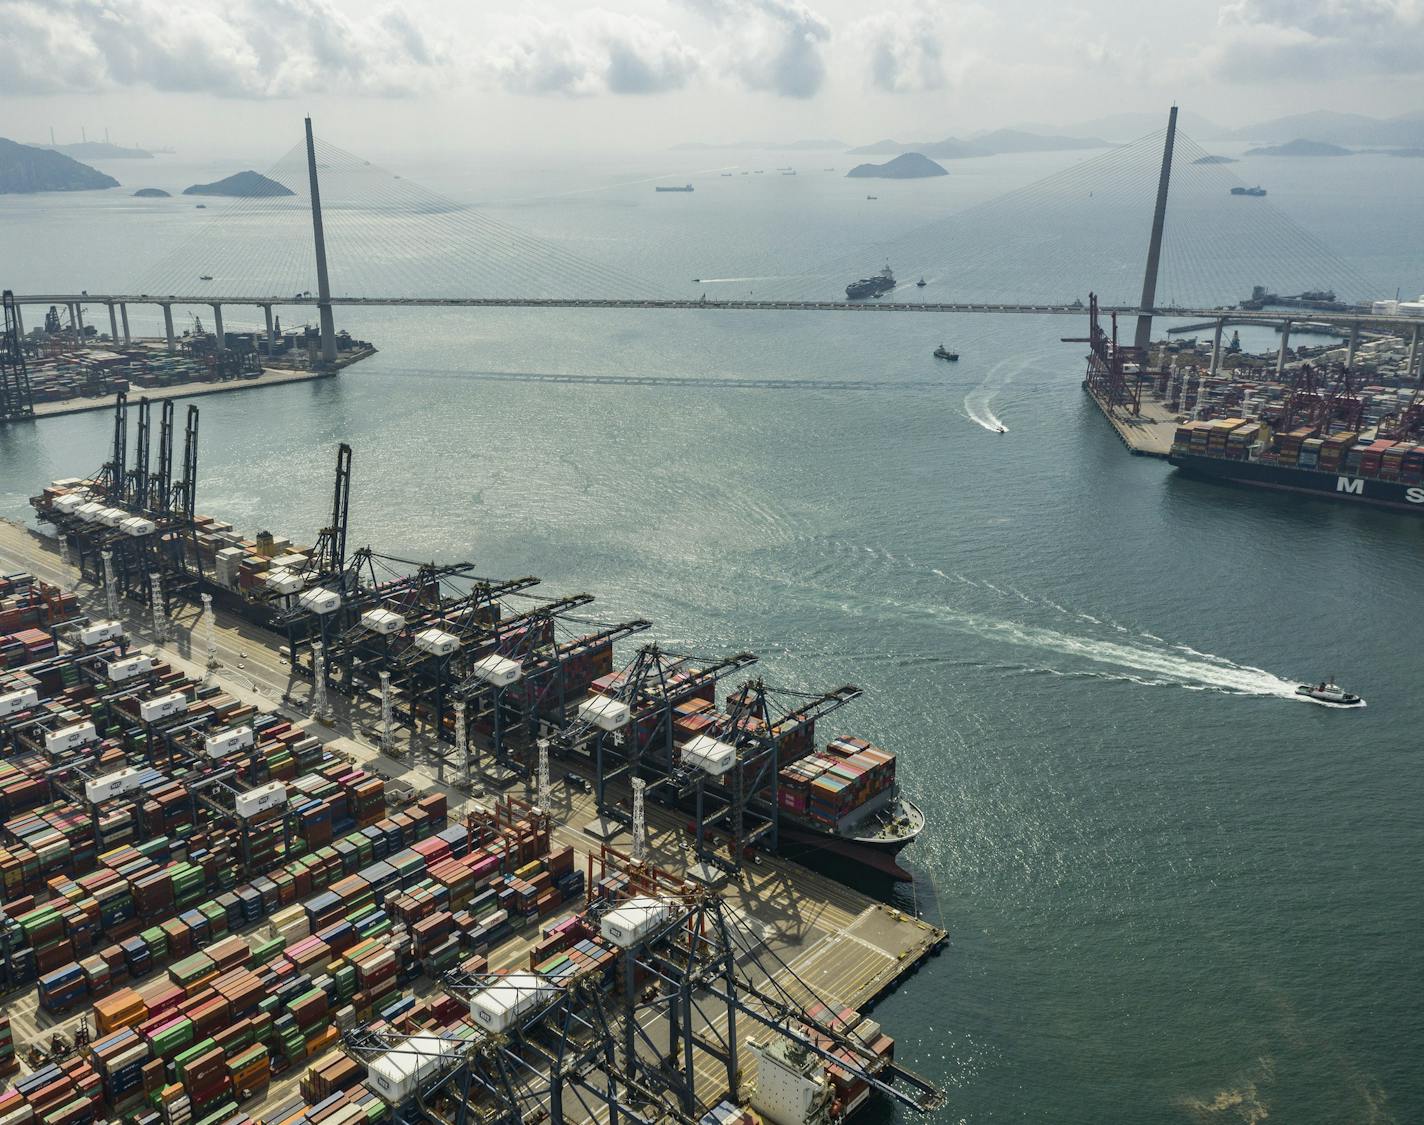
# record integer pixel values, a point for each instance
(259, 889)
(1343, 421)
(69, 367)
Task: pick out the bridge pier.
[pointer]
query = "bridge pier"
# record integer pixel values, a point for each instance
(19, 322)
(271, 335)
(218, 325)
(1285, 343)
(1352, 346)
(124, 314)
(113, 324)
(1216, 346)
(168, 327)
(1410, 368)
(75, 324)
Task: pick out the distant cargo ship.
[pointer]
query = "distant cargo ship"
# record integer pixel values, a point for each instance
(685, 187)
(1323, 300)
(1346, 466)
(882, 282)
(1256, 191)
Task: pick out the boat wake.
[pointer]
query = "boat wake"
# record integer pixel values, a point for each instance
(1094, 646)
(1153, 665)
(977, 402)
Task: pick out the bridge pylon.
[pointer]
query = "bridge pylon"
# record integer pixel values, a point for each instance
(323, 281)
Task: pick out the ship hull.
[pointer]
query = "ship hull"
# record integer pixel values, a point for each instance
(807, 844)
(1399, 496)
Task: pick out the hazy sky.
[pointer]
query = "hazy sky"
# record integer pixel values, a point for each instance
(208, 75)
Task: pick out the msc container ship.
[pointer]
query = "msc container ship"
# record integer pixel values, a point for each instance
(1351, 466)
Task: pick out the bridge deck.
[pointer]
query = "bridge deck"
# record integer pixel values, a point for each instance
(1235, 316)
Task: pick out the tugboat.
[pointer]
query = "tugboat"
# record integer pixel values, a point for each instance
(882, 282)
(206, 277)
(1327, 691)
(920, 284)
(942, 352)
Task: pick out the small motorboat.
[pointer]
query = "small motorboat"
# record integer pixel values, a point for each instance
(920, 284)
(1327, 691)
(942, 352)
(206, 277)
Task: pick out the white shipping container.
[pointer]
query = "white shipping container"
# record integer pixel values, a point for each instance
(320, 600)
(89, 512)
(397, 1075)
(67, 738)
(164, 707)
(112, 517)
(633, 921)
(498, 670)
(284, 581)
(97, 632)
(226, 742)
(16, 701)
(130, 666)
(501, 1004)
(383, 621)
(258, 800)
(604, 712)
(69, 503)
(112, 785)
(138, 526)
(437, 642)
(709, 755)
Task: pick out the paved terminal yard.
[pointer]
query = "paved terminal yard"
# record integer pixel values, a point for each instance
(802, 936)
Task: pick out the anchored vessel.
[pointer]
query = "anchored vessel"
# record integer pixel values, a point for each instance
(882, 282)
(1345, 466)
(685, 187)
(1255, 191)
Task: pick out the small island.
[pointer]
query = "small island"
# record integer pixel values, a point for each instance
(241, 185)
(1300, 148)
(25, 169)
(1211, 159)
(907, 166)
(151, 193)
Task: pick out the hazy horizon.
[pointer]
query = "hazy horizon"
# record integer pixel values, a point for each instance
(212, 79)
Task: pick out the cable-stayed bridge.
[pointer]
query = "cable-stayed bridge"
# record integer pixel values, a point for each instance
(366, 237)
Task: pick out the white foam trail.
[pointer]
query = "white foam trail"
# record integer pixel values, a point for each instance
(1163, 665)
(976, 402)
(732, 280)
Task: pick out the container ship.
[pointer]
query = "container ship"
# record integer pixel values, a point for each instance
(658, 717)
(1351, 466)
(882, 282)
(685, 187)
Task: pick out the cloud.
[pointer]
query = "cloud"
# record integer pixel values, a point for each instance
(241, 49)
(774, 45)
(594, 52)
(1308, 39)
(903, 50)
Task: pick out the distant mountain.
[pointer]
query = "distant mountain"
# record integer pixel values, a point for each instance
(996, 143)
(151, 193)
(27, 169)
(1353, 129)
(906, 166)
(765, 146)
(241, 185)
(1120, 127)
(1299, 147)
(99, 150)
(1209, 159)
